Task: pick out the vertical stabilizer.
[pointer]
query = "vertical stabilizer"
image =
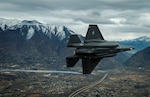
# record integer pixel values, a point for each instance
(93, 33)
(74, 39)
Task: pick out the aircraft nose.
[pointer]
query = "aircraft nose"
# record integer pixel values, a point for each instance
(131, 48)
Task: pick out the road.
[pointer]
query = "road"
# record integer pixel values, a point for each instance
(88, 86)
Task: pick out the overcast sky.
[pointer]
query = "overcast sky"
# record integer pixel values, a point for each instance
(117, 19)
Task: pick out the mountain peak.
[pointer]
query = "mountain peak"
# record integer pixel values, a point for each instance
(30, 22)
(29, 27)
(32, 42)
(59, 31)
(143, 38)
(139, 43)
(6, 23)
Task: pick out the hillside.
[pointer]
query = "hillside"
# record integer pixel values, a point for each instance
(34, 45)
(30, 42)
(139, 59)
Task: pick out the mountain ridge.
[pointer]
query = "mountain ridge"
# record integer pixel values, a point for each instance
(59, 31)
(31, 43)
(139, 59)
(138, 43)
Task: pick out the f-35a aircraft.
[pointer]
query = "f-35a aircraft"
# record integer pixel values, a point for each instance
(93, 49)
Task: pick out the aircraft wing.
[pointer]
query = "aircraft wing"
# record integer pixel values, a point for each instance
(89, 64)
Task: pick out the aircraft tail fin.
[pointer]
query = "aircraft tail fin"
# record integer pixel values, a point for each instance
(93, 33)
(74, 39)
(89, 64)
(71, 61)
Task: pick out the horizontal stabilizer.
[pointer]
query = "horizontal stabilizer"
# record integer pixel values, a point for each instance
(89, 64)
(71, 61)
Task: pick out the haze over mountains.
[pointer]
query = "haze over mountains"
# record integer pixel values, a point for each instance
(140, 59)
(138, 43)
(29, 43)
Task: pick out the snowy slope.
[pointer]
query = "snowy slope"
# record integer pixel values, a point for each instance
(138, 43)
(60, 32)
(7, 23)
(32, 42)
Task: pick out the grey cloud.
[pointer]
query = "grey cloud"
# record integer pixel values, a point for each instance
(132, 15)
(78, 4)
(52, 4)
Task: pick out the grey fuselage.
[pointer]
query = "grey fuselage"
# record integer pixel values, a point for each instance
(92, 49)
(97, 48)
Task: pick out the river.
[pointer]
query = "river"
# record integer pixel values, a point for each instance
(39, 71)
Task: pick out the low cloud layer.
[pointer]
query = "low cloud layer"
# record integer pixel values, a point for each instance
(117, 19)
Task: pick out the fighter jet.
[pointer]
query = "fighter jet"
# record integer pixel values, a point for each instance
(92, 49)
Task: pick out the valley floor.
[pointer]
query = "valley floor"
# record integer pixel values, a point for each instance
(123, 82)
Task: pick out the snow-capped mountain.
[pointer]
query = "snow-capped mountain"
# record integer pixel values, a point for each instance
(33, 26)
(6, 23)
(138, 43)
(32, 42)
